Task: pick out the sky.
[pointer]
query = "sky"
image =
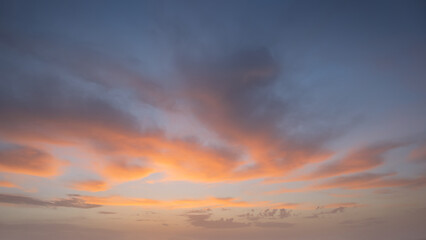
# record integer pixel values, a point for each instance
(205, 120)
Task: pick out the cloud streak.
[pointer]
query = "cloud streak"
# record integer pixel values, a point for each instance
(71, 202)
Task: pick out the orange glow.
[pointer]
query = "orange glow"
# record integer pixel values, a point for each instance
(90, 185)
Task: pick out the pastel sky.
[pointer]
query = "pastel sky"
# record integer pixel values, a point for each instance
(205, 120)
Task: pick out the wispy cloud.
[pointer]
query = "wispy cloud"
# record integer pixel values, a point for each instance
(356, 161)
(72, 201)
(27, 160)
(89, 185)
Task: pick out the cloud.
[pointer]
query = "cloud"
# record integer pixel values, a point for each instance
(199, 211)
(267, 214)
(345, 204)
(232, 95)
(8, 184)
(72, 201)
(89, 185)
(74, 98)
(125, 171)
(106, 212)
(418, 154)
(356, 161)
(30, 161)
(202, 220)
(336, 210)
(370, 180)
(333, 211)
(211, 202)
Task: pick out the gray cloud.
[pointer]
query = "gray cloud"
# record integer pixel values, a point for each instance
(199, 211)
(267, 214)
(106, 212)
(332, 211)
(203, 220)
(72, 201)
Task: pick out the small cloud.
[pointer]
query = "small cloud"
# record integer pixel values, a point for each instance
(333, 211)
(266, 214)
(90, 185)
(203, 220)
(199, 211)
(345, 204)
(106, 212)
(8, 184)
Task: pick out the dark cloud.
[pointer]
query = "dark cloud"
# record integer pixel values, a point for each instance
(72, 201)
(336, 210)
(333, 211)
(106, 212)
(233, 95)
(199, 211)
(267, 214)
(203, 220)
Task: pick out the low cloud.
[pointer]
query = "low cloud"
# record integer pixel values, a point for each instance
(72, 201)
(333, 211)
(266, 214)
(106, 212)
(203, 220)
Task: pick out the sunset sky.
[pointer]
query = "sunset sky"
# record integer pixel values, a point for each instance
(212, 120)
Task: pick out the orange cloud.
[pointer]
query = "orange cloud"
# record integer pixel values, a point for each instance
(211, 202)
(369, 180)
(8, 184)
(90, 185)
(345, 204)
(418, 154)
(30, 161)
(359, 181)
(356, 161)
(124, 171)
(287, 205)
(233, 102)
